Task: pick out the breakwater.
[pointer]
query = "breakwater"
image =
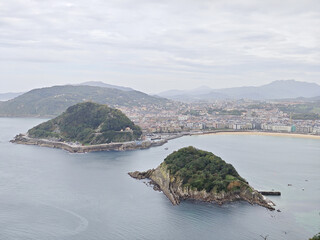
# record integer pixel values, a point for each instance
(270, 193)
(77, 148)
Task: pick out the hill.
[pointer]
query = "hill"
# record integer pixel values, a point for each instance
(106, 85)
(201, 170)
(275, 90)
(51, 101)
(190, 173)
(88, 123)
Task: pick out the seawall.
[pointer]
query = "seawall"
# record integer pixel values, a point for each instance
(76, 148)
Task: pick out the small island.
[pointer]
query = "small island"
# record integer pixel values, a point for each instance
(190, 173)
(86, 127)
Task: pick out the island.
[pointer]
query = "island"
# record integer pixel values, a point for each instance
(86, 127)
(190, 173)
(316, 237)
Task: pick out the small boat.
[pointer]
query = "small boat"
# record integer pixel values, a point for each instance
(166, 148)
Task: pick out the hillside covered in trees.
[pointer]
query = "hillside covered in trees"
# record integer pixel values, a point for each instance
(88, 123)
(202, 170)
(190, 173)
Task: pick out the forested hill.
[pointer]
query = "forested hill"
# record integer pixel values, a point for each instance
(88, 123)
(201, 170)
(52, 101)
(190, 173)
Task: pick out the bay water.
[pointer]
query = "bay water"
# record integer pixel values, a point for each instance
(52, 194)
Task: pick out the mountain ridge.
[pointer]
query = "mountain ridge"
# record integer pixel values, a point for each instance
(105, 85)
(278, 89)
(51, 101)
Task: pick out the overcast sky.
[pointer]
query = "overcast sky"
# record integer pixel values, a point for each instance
(154, 46)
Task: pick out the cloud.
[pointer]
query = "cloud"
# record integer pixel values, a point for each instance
(190, 42)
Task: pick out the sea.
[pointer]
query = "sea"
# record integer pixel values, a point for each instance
(50, 194)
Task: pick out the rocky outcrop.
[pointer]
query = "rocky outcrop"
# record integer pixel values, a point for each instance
(173, 189)
(76, 148)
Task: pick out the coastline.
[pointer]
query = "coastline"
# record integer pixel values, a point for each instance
(76, 148)
(134, 145)
(275, 134)
(172, 188)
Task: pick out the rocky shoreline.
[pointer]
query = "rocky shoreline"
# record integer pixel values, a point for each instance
(77, 148)
(124, 146)
(172, 188)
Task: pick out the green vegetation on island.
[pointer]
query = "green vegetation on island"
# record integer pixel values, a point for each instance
(316, 237)
(201, 170)
(88, 123)
(190, 173)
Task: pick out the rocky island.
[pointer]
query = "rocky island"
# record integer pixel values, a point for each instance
(86, 127)
(190, 173)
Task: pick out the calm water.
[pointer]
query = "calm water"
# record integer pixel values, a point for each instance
(52, 194)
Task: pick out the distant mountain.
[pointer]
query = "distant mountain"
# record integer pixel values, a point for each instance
(276, 90)
(172, 93)
(300, 99)
(51, 101)
(102, 84)
(315, 98)
(198, 94)
(197, 91)
(8, 96)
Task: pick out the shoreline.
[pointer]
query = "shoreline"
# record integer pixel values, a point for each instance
(161, 180)
(275, 134)
(73, 148)
(134, 145)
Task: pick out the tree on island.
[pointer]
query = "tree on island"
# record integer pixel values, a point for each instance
(88, 123)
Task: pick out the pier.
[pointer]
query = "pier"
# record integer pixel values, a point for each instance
(270, 193)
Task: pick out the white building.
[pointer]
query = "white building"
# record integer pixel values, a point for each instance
(281, 128)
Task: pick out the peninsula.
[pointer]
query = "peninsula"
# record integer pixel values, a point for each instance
(190, 173)
(87, 127)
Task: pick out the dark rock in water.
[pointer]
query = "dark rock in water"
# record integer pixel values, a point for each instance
(155, 186)
(141, 175)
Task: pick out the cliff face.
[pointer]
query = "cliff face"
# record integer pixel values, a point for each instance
(174, 190)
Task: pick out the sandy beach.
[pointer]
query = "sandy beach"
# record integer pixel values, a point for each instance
(294, 135)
